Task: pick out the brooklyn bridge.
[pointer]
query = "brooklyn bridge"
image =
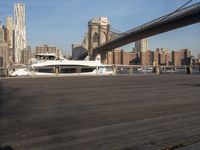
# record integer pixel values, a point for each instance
(101, 38)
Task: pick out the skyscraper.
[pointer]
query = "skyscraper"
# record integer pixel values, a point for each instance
(3, 47)
(9, 31)
(20, 31)
(1, 33)
(142, 45)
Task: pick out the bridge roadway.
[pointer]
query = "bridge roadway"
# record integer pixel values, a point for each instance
(149, 112)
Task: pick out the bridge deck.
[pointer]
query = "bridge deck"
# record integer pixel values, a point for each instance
(101, 113)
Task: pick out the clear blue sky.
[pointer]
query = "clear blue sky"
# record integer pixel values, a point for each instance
(64, 22)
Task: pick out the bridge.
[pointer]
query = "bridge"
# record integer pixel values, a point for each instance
(180, 18)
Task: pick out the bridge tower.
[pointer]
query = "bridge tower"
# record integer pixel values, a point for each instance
(98, 33)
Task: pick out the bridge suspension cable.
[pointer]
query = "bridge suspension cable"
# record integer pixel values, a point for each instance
(181, 7)
(165, 17)
(115, 30)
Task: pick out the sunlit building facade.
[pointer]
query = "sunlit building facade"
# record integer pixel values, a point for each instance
(142, 45)
(1, 33)
(20, 31)
(9, 31)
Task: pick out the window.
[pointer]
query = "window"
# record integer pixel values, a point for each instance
(68, 69)
(87, 69)
(45, 70)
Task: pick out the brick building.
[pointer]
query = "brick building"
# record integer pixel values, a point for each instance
(147, 58)
(120, 57)
(181, 57)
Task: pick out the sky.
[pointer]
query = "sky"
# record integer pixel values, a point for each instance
(64, 22)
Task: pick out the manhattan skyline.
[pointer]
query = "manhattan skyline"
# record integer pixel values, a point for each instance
(64, 22)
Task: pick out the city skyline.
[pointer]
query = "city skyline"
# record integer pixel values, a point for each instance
(64, 23)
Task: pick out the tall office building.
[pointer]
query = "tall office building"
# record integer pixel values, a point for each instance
(26, 55)
(3, 47)
(142, 45)
(1, 33)
(9, 31)
(20, 31)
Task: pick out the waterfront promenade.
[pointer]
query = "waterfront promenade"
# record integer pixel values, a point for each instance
(141, 112)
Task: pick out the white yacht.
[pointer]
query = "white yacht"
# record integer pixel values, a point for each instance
(49, 65)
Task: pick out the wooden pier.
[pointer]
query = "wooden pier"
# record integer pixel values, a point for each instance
(141, 112)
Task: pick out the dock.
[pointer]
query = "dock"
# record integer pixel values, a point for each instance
(122, 112)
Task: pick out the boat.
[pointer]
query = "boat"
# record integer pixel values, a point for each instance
(52, 66)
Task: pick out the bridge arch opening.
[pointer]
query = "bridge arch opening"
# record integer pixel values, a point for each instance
(95, 39)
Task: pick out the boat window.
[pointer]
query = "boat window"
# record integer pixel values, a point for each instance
(45, 70)
(68, 69)
(51, 58)
(87, 69)
(109, 68)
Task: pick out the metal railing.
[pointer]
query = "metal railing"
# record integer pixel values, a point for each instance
(150, 69)
(131, 70)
